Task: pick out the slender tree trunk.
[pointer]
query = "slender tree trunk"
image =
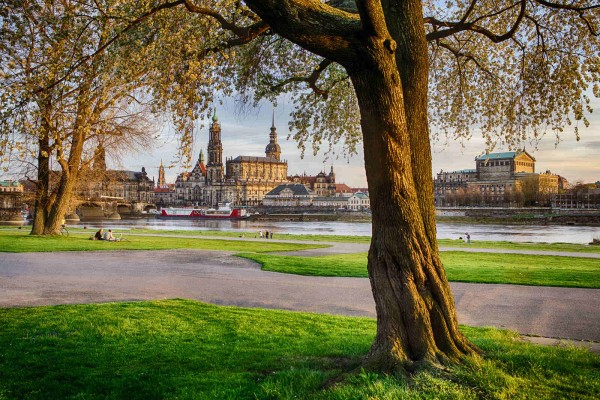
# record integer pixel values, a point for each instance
(60, 206)
(68, 181)
(416, 318)
(40, 208)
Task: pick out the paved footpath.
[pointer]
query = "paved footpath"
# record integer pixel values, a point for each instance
(32, 279)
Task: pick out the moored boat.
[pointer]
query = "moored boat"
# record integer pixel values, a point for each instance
(223, 212)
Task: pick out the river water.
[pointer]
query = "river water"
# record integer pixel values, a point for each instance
(445, 230)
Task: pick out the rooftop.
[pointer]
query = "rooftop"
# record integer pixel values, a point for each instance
(10, 183)
(497, 156)
(256, 159)
(297, 189)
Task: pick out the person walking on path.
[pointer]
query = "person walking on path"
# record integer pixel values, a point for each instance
(468, 238)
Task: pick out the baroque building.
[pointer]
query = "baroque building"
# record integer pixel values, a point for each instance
(498, 179)
(100, 183)
(243, 180)
(322, 184)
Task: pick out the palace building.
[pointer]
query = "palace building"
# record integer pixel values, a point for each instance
(498, 179)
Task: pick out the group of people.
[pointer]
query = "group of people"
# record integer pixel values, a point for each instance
(101, 235)
(266, 235)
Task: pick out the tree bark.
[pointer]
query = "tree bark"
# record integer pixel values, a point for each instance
(68, 181)
(404, 21)
(416, 317)
(42, 186)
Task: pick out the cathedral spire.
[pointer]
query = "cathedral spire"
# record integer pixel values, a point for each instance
(273, 120)
(161, 175)
(201, 157)
(273, 150)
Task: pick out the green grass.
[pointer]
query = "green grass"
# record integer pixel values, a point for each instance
(22, 242)
(518, 269)
(179, 349)
(482, 244)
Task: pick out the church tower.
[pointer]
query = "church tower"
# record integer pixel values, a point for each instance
(273, 150)
(161, 175)
(214, 167)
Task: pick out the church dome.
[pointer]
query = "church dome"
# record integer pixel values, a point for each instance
(273, 148)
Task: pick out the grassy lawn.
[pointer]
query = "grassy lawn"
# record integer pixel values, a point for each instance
(460, 266)
(483, 244)
(18, 242)
(180, 349)
(340, 238)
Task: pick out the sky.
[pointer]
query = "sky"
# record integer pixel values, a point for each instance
(249, 134)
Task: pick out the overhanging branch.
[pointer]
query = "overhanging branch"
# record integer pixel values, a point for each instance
(456, 27)
(311, 79)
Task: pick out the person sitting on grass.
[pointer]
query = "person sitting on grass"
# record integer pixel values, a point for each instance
(98, 235)
(109, 236)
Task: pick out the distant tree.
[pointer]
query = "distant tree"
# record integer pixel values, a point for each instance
(59, 100)
(530, 190)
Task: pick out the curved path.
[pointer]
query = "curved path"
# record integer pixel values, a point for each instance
(32, 279)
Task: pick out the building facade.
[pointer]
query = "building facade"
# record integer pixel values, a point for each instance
(322, 184)
(359, 202)
(11, 193)
(506, 178)
(288, 195)
(242, 181)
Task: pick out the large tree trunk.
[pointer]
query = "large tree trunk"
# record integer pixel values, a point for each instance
(416, 318)
(404, 22)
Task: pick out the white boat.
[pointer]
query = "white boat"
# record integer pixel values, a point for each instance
(223, 212)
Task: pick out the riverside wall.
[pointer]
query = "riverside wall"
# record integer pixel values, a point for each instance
(534, 215)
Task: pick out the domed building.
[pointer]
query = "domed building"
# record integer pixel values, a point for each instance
(245, 179)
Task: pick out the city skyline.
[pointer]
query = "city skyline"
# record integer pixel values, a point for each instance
(249, 135)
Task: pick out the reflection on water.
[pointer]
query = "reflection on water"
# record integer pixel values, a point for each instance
(514, 233)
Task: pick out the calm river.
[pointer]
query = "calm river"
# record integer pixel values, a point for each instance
(514, 233)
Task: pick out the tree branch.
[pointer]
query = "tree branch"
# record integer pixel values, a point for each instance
(311, 79)
(103, 47)
(372, 18)
(455, 27)
(566, 6)
(468, 56)
(318, 27)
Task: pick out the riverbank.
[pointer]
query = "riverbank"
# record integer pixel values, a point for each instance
(519, 216)
(240, 234)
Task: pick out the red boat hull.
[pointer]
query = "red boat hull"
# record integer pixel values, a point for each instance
(235, 213)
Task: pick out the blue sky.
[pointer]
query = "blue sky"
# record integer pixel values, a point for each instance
(249, 134)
